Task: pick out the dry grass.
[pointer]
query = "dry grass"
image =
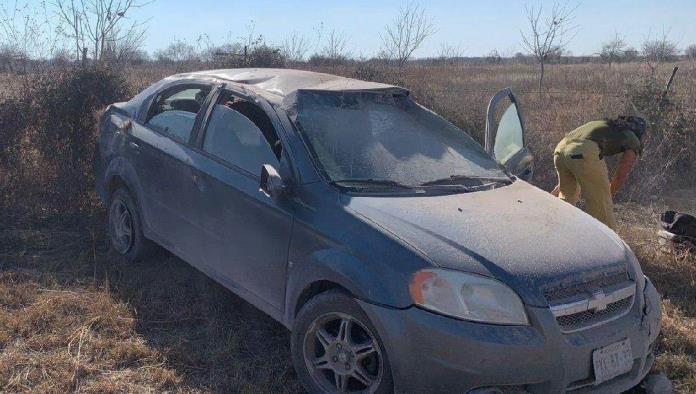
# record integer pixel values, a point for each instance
(674, 273)
(75, 318)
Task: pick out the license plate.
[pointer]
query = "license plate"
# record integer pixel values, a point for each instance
(612, 360)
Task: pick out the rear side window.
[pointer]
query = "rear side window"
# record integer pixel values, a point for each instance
(234, 134)
(174, 111)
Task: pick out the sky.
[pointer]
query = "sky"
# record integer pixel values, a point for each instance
(477, 27)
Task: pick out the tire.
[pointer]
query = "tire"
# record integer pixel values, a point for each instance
(126, 229)
(321, 351)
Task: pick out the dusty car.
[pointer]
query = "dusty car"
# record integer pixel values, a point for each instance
(402, 255)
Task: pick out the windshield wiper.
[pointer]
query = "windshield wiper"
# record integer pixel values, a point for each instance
(453, 179)
(368, 183)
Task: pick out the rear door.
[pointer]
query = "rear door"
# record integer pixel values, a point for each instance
(505, 135)
(162, 142)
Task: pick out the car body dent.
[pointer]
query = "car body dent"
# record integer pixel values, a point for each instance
(652, 310)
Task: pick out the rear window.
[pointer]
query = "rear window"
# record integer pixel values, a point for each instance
(174, 111)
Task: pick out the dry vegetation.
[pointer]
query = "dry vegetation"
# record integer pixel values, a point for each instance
(75, 317)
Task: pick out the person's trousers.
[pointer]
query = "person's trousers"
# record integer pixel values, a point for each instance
(581, 168)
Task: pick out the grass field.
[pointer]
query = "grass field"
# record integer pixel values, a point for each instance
(74, 317)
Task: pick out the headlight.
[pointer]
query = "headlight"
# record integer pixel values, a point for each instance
(467, 296)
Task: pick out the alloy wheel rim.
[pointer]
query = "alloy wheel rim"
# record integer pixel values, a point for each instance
(342, 355)
(121, 227)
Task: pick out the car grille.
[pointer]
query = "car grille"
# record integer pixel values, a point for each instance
(580, 320)
(581, 289)
(582, 305)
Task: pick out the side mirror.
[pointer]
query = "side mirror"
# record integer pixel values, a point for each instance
(271, 182)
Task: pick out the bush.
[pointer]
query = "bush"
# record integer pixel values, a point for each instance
(265, 56)
(690, 52)
(669, 143)
(660, 50)
(50, 148)
(317, 60)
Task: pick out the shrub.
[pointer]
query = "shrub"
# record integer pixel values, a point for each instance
(669, 144)
(690, 52)
(660, 50)
(317, 60)
(50, 150)
(264, 55)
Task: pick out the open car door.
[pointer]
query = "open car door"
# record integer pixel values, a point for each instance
(505, 135)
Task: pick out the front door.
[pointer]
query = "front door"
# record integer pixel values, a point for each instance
(247, 232)
(505, 135)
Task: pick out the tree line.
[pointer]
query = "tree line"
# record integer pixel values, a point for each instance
(103, 31)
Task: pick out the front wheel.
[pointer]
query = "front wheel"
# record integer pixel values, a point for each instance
(336, 349)
(125, 227)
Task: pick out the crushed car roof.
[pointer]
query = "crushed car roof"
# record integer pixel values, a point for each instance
(274, 84)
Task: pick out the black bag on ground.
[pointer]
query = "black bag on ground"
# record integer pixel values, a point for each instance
(679, 223)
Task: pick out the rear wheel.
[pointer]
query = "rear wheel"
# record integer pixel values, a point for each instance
(336, 349)
(125, 227)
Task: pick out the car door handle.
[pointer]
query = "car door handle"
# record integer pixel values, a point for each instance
(198, 180)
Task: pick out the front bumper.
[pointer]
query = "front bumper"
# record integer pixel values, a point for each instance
(432, 353)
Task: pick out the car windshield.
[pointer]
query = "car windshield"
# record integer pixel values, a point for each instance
(385, 136)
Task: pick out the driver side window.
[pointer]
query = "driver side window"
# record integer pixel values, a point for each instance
(240, 133)
(173, 112)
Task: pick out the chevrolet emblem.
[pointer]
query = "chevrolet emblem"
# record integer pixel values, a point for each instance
(598, 301)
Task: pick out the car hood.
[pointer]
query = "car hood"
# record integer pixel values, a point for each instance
(518, 234)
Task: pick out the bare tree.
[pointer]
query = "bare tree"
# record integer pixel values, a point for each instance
(659, 49)
(178, 51)
(124, 48)
(250, 38)
(690, 52)
(406, 33)
(26, 32)
(450, 51)
(548, 35)
(613, 50)
(335, 47)
(98, 24)
(494, 57)
(295, 47)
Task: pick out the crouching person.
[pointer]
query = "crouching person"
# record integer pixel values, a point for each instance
(579, 162)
